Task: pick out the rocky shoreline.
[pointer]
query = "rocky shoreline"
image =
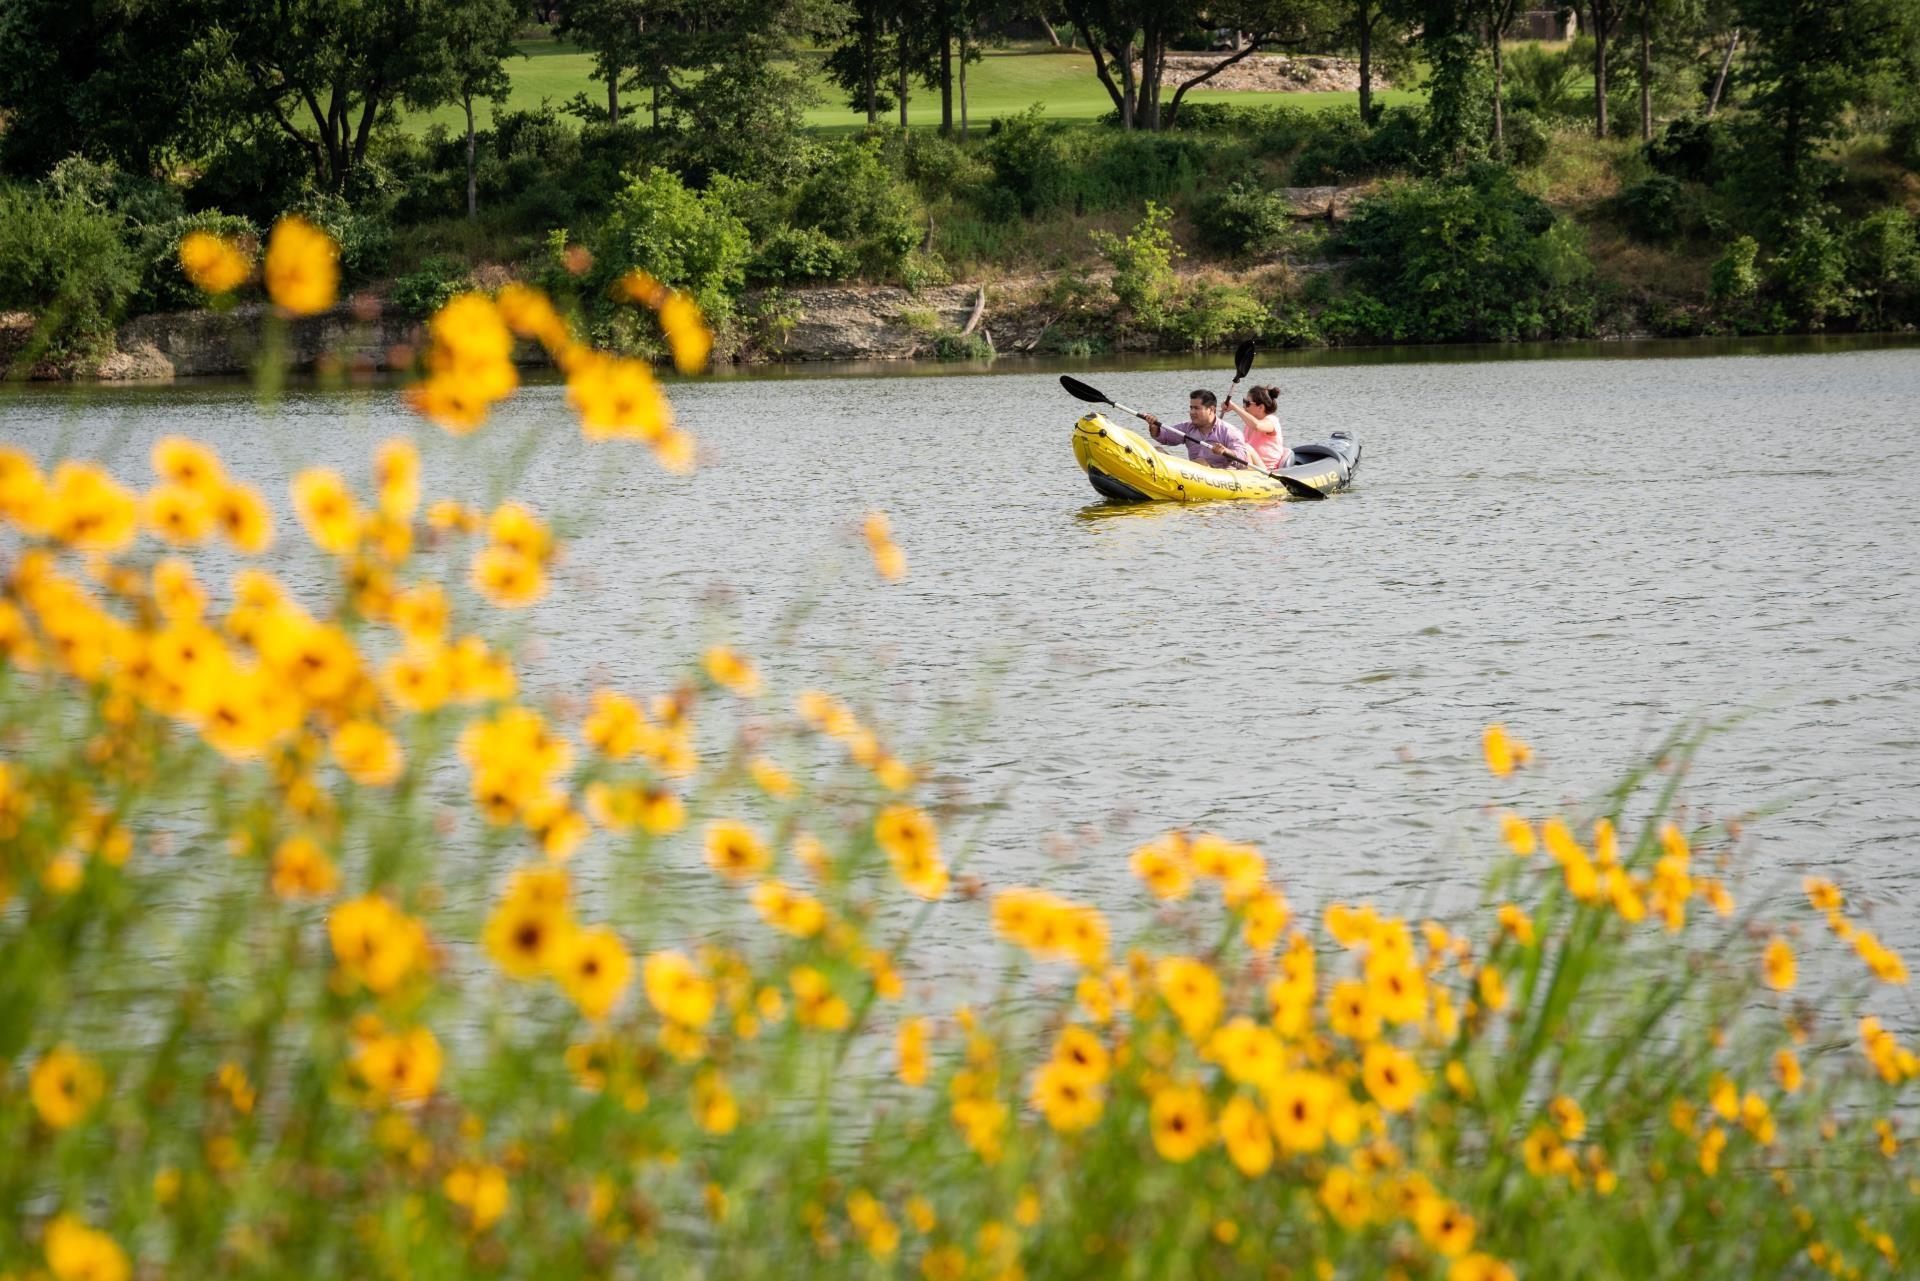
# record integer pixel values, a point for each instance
(848, 321)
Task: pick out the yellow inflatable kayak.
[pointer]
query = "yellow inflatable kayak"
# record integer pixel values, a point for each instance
(1124, 466)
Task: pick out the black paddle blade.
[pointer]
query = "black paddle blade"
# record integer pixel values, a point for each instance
(1300, 488)
(1242, 360)
(1080, 391)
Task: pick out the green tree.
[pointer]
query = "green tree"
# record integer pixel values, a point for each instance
(634, 43)
(1123, 33)
(1810, 64)
(1460, 87)
(1494, 17)
(118, 80)
(1380, 33)
(479, 39)
(324, 72)
(1603, 18)
(859, 64)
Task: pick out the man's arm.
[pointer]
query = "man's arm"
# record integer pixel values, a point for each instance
(1236, 444)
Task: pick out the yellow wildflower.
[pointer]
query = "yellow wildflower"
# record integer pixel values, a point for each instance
(302, 267)
(65, 1085)
(1776, 963)
(76, 1252)
(301, 869)
(735, 850)
(480, 1190)
(1178, 1119)
(593, 967)
(677, 990)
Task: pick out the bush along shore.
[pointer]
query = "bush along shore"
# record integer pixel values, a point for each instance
(1744, 180)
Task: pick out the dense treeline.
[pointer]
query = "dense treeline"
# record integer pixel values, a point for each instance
(1684, 165)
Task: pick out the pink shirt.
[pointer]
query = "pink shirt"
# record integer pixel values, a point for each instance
(1263, 438)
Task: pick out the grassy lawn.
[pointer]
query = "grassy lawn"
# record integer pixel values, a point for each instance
(1004, 82)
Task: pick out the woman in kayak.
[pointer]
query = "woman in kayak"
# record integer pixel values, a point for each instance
(1261, 418)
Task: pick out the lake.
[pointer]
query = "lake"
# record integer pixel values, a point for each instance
(1590, 548)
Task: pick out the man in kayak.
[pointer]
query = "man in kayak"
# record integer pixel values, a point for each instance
(1208, 438)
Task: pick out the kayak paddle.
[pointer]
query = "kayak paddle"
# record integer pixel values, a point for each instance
(1093, 396)
(1242, 366)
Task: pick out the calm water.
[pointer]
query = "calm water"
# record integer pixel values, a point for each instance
(1587, 549)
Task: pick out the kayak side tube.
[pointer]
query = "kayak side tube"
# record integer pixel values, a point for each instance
(1124, 466)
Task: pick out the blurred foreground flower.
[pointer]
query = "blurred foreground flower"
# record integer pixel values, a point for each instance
(215, 264)
(302, 267)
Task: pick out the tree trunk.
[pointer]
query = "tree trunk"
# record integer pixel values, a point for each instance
(1720, 81)
(1646, 72)
(946, 73)
(1129, 86)
(902, 86)
(656, 106)
(1599, 75)
(473, 189)
(1499, 105)
(1101, 69)
(613, 97)
(1145, 114)
(1366, 67)
(1053, 37)
(963, 84)
(870, 46)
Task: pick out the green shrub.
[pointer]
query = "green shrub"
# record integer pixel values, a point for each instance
(254, 175)
(1470, 257)
(1241, 219)
(956, 346)
(941, 166)
(1545, 82)
(687, 239)
(163, 285)
(1903, 136)
(365, 239)
(1028, 160)
(1810, 274)
(1346, 148)
(920, 270)
(796, 254)
(854, 197)
(142, 201)
(1208, 313)
(66, 261)
(1527, 139)
(1685, 149)
(1282, 130)
(1357, 316)
(1735, 275)
(1112, 171)
(1291, 326)
(425, 290)
(1143, 279)
(1654, 209)
(1883, 257)
(1202, 117)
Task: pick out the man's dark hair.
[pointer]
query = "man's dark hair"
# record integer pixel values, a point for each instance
(1205, 397)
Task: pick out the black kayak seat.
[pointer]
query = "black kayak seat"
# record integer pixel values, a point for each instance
(1307, 453)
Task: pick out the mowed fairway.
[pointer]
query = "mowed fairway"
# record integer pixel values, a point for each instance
(1003, 82)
